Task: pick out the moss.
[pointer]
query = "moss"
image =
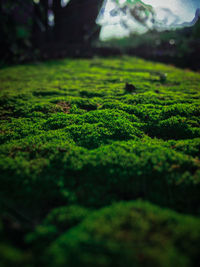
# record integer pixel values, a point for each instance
(57, 222)
(96, 177)
(129, 234)
(9, 254)
(72, 135)
(175, 128)
(61, 121)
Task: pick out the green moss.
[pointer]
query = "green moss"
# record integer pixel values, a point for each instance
(61, 121)
(50, 165)
(129, 234)
(72, 135)
(57, 222)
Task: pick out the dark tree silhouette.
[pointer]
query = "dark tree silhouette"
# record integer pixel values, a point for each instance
(75, 22)
(25, 24)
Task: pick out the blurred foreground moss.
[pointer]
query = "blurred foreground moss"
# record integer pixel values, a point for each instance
(126, 234)
(9, 254)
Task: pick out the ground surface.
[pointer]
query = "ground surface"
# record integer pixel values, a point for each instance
(78, 137)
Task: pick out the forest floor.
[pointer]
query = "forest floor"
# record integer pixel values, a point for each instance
(99, 164)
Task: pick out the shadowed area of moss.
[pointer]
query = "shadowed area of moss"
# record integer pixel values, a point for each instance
(124, 234)
(9, 254)
(87, 133)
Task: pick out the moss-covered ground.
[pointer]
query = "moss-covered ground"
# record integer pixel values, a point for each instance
(95, 155)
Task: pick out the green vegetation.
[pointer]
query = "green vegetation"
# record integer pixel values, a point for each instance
(74, 140)
(129, 234)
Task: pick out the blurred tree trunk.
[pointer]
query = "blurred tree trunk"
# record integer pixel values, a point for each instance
(25, 24)
(58, 19)
(40, 22)
(75, 23)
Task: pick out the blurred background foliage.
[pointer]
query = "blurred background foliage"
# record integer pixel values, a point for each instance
(42, 29)
(27, 26)
(180, 47)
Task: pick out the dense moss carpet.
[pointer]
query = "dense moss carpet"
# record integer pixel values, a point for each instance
(86, 145)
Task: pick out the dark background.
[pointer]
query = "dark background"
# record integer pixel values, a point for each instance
(27, 34)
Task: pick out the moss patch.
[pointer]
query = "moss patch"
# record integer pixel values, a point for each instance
(128, 234)
(87, 133)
